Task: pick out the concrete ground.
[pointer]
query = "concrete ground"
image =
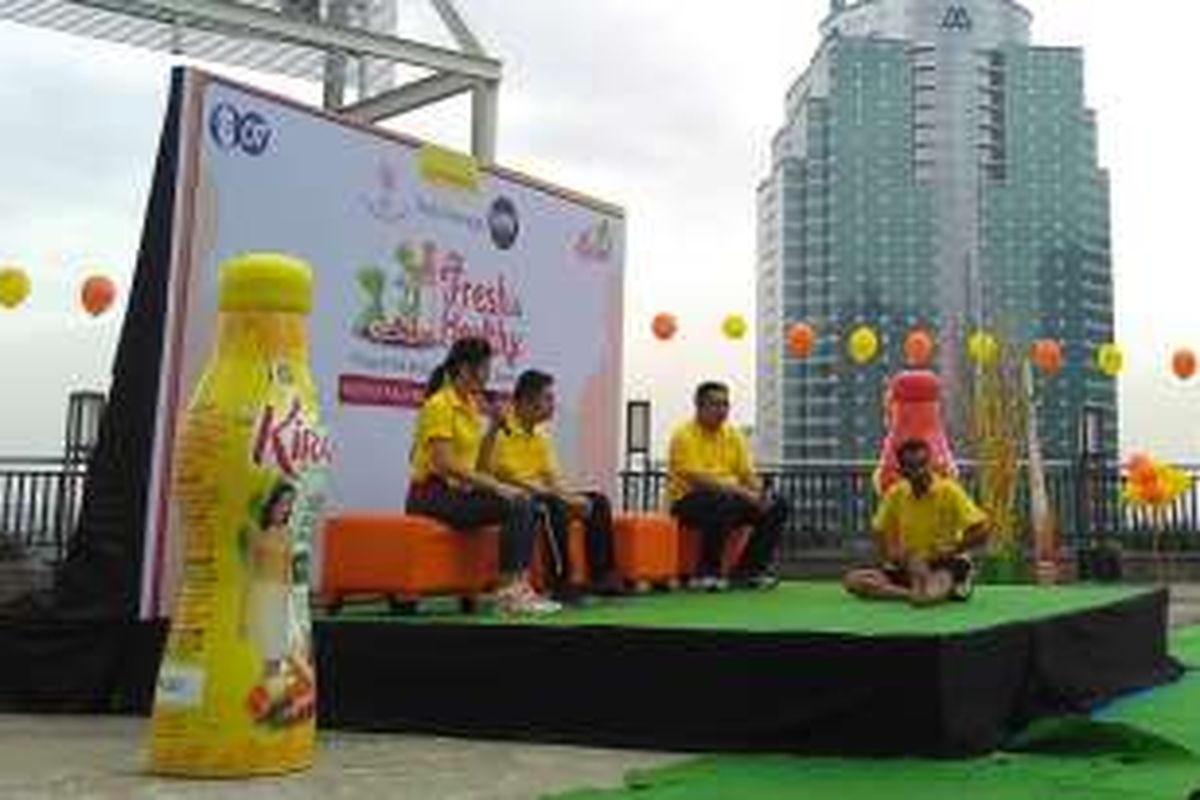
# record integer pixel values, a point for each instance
(101, 758)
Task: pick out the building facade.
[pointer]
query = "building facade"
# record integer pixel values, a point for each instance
(935, 171)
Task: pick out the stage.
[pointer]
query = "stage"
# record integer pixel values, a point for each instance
(801, 669)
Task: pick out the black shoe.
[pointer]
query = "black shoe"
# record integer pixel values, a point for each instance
(963, 571)
(763, 581)
(569, 596)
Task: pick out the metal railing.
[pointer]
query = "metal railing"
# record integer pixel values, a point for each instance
(832, 504)
(39, 505)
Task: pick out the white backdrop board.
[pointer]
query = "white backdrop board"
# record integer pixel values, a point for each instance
(411, 247)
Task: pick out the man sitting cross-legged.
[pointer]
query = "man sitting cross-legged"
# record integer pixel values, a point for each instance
(927, 525)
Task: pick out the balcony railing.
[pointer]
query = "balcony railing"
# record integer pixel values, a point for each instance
(832, 504)
(39, 505)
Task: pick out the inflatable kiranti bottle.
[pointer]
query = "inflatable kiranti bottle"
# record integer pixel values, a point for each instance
(236, 692)
(914, 411)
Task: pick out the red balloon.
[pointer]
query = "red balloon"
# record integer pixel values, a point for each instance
(664, 326)
(801, 339)
(97, 294)
(918, 348)
(1047, 356)
(1183, 364)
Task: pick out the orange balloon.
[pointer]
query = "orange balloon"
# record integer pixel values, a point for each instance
(1141, 468)
(97, 294)
(664, 326)
(918, 348)
(1047, 356)
(801, 339)
(1183, 363)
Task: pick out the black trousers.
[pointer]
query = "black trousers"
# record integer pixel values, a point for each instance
(464, 509)
(714, 515)
(597, 528)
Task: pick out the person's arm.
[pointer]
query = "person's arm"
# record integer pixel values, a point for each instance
(444, 464)
(974, 523)
(886, 525)
(748, 480)
(683, 466)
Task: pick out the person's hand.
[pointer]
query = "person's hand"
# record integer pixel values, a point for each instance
(918, 568)
(509, 492)
(578, 503)
(750, 496)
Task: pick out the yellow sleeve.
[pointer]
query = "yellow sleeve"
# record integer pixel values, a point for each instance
(887, 516)
(548, 457)
(682, 455)
(744, 468)
(965, 511)
(437, 420)
(494, 463)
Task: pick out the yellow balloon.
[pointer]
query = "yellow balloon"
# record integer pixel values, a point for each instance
(983, 348)
(1110, 359)
(14, 286)
(734, 326)
(863, 345)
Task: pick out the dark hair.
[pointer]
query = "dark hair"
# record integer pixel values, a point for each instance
(470, 351)
(531, 383)
(910, 445)
(279, 491)
(707, 388)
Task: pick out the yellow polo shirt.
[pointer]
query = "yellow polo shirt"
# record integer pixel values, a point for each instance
(525, 456)
(722, 454)
(446, 415)
(930, 524)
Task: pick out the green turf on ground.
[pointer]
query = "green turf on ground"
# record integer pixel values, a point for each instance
(999, 777)
(1146, 747)
(796, 606)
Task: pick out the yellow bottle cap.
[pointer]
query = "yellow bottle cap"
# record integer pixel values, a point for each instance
(265, 282)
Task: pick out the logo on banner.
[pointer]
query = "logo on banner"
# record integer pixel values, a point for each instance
(957, 18)
(503, 223)
(595, 243)
(233, 130)
(430, 299)
(385, 202)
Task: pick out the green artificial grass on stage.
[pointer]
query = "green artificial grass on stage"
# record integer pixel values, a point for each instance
(794, 606)
(1144, 747)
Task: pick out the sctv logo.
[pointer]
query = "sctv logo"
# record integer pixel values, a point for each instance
(232, 129)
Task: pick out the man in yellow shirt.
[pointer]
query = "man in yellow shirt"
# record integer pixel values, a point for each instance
(519, 452)
(927, 524)
(713, 489)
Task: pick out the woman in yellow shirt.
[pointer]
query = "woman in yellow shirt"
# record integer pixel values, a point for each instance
(447, 484)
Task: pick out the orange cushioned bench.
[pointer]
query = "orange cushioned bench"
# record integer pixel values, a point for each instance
(689, 550)
(405, 557)
(646, 549)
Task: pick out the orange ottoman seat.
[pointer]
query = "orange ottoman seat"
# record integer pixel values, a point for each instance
(405, 557)
(689, 550)
(646, 548)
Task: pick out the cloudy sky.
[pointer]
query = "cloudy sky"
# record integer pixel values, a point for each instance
(664, 107)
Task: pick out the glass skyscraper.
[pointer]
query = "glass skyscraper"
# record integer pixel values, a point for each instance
(935, 171)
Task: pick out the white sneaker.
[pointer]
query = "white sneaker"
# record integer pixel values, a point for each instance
(519, 599)
(708, 583)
